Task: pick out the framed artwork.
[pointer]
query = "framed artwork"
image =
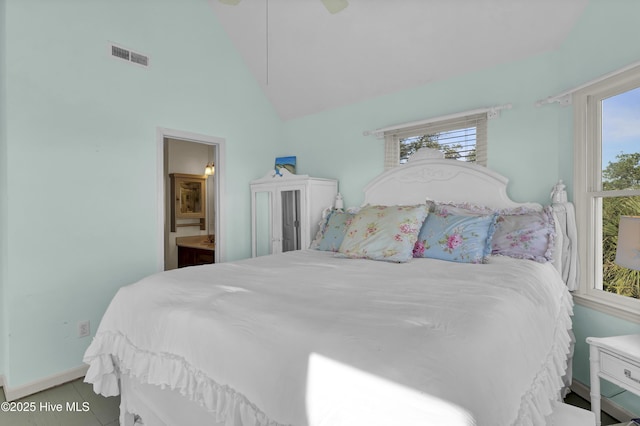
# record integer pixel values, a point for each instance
(288, 163)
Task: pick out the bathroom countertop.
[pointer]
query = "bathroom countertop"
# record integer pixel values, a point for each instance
(195, 241)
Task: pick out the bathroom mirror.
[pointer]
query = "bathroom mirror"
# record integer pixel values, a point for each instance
(189, 199)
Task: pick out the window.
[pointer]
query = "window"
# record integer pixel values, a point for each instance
(606, 186)
(462, 138)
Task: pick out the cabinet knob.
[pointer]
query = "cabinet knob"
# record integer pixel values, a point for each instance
(627, 373)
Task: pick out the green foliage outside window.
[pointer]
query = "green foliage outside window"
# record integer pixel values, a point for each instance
(621, 174)
(453, 151)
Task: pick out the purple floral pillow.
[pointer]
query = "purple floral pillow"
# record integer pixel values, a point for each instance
(457, 238)
(525, 236)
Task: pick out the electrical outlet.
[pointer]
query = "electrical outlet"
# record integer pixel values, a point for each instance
(84, 328)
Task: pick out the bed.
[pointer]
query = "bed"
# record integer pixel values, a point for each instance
(355, 336)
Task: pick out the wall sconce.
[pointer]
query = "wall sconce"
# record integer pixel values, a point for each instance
(628, 249)
(210, 169)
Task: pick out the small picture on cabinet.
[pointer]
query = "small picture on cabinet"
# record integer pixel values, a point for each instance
(288, 163)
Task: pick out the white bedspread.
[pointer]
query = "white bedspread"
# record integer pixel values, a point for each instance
(304, 338)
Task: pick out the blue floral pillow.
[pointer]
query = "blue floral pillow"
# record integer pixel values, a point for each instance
(456, 238)
(383, 233)
(334, 231)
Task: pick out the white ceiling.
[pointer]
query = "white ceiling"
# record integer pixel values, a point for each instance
(313, 60)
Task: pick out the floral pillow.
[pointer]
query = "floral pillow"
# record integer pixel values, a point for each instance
(334, 231)
(470, 209)
(457, 238)
(322, 226)
(383, 233)
(526, 236)
(461, 209)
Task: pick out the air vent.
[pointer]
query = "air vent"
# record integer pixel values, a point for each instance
(119, 52)
(139, 59)
(129, 55)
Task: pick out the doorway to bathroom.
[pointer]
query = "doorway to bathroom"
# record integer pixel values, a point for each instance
(191, 221)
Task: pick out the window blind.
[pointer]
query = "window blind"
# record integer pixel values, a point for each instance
(464, 135)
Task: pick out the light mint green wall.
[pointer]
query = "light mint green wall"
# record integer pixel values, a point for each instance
(334, 145)
(532, 146)
(589, 322)
(80, 157)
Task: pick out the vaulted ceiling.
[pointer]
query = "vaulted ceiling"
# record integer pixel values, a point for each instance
(308, 60)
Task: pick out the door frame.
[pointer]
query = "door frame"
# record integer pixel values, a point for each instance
(219, 184)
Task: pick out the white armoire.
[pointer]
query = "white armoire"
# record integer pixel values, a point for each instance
(286, 210)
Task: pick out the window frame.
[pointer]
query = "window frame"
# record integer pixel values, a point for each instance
(587, 193)
(480, 120)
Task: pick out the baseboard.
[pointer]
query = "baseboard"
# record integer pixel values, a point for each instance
(608, 406)
(17, 392)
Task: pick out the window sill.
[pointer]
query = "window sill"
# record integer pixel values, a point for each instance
(628, 313)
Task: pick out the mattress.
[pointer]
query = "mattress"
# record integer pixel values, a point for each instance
(305, 338)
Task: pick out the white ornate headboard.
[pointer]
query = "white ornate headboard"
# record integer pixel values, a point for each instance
(429, 176)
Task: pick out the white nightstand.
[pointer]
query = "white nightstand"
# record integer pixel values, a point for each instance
(617, 360)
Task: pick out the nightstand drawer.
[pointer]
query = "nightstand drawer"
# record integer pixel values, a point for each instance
(621, 370)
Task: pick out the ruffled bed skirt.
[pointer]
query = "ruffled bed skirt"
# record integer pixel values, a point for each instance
(548, 385)
(111, 355)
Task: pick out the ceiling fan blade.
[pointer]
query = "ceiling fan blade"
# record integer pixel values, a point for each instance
(230, 2)
(335, 6)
